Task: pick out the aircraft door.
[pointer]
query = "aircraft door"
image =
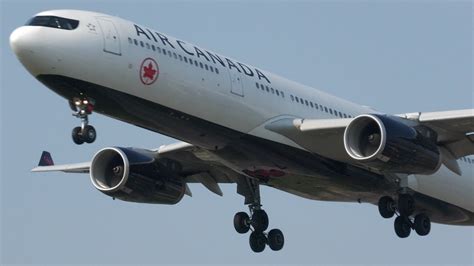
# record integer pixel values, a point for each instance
(110, 35)
(236, 83)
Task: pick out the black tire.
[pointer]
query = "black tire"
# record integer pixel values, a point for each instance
(241, 222)
(422, 224)
(402, 226)
(276, 240)
(89, 134)
(406, 204)
(385, 205)
(257, 241)
(260, 220)
(76, 135)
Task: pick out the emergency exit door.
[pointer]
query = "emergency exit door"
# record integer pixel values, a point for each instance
(110, 35)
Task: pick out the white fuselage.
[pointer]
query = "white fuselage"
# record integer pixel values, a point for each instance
(110, 52)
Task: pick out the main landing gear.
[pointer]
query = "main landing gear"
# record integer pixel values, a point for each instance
(257, 222)
(405, 222)
(82, 108)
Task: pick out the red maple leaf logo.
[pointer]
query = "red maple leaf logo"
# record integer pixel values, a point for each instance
(149, 72)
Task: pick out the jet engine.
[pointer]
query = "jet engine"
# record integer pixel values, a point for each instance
(135, 175)
(388, 144)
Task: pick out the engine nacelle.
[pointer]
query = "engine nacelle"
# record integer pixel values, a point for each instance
(389, 145)
(135, 175)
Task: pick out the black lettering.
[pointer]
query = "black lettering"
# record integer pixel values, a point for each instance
(261, 75)
(215, 57)
(231, 65)
(141, 31)
(181, 44)
(152, 35)
(199, 53)
(246, 69)
(164, 40)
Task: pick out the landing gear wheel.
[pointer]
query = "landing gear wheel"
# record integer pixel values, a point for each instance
(406, 204)
(422, 224)
(386, 207)
(259, 220)
(276, 240)
(241, 222)
(257, 241)
(77, 136)
(402, 226)
(89, 134)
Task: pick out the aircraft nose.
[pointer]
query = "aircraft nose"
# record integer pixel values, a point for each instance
(20, 41)
(27, 46)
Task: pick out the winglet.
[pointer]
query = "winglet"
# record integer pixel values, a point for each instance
(46, 159)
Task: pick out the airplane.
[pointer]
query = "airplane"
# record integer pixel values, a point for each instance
(239, 124)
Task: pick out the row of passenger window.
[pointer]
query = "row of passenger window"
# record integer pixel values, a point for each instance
(258, 85)
(270, 89)
(173, 55)
(320, 107)
(467, 160)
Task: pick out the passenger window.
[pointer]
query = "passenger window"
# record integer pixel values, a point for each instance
(297, 100)
(196, 63)
(147, 46)
(142, 44)
(159, 49)
(268, 89)
(326, 109)
(277, 92)
(153, 47)
(206, 66)
(217, 71)
(175, 56)
(211, 68)
(256, 84)
(200, 64)
(307, 103)
(185, 59)
(135, 42)
(170, 54)
(130, 40)
(180, 57)
(311, 103)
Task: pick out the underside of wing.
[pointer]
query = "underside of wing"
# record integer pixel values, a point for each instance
(322, 136)
(454, 128)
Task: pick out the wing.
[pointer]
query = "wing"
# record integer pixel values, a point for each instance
(326, 136)
(322, 136)
(197, 166)
(455, 129)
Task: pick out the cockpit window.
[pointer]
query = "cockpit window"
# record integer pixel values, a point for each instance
(53, 22)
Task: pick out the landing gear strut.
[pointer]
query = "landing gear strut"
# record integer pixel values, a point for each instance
(404, 208)
(257, 222)
(82, 108)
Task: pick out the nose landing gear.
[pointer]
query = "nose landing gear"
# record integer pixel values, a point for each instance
(82, 108)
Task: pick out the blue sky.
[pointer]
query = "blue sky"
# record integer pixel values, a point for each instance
(396, 56)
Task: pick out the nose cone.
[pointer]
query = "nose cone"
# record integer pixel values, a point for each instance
(25, 47)
(20, 41)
